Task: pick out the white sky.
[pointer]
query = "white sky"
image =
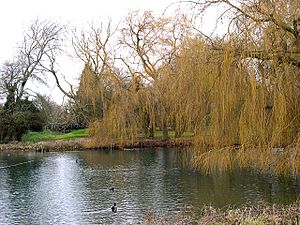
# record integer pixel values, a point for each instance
(17, 15)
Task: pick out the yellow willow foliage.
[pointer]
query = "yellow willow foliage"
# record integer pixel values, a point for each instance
(123, 122)
(287, 162)
(190, 89)
(147, 101)
(267, 161)
(92, 92)
(210, 161)
(210, 94)
(252, 119)
(229, 101)
(223, 99)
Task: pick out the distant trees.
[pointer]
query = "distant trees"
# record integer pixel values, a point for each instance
(34, 60)
(17, 120)
(39, 48)
(93, 48)
(60, 117)
(151, 44)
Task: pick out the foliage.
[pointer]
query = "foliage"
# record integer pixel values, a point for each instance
(34, 60)
(18, 119)
(172, 134)
(241, 89)
(158, 72)
(93, 94)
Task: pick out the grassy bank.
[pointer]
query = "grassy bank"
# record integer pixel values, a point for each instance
(261, 214)
(33, 137)
(47, 135)
(159, 134)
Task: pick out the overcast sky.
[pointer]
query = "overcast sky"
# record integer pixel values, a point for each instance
(17, 15)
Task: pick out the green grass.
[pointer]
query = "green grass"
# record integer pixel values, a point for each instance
(38, 136)
(73, 135)
(53, 136)
(159, 134)
(47, 135)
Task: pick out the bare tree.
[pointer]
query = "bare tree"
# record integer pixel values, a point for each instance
(36, 58)
(93, 47)
(151, 43)
(11, 80)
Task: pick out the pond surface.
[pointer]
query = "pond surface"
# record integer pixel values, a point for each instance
(73, 187)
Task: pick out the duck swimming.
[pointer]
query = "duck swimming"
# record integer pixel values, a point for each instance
(114, 208)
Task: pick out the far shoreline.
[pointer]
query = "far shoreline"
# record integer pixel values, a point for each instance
(81, 144)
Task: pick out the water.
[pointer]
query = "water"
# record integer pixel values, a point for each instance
(53, 188)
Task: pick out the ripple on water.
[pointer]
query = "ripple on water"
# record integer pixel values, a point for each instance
(56, 189)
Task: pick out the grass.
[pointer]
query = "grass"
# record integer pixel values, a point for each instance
(47, 135)
(38, 136)
(159, 134)
(73, 135)
(259, 214)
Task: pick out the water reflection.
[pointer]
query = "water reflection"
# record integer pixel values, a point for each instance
(73, 188)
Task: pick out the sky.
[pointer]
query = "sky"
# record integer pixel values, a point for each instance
(17, 15)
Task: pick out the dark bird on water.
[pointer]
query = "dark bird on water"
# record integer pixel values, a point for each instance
(112, 189)
(114, 208)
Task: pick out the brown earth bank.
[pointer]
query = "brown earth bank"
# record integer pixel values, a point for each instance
(83, 144)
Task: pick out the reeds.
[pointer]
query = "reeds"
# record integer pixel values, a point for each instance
(259, 214)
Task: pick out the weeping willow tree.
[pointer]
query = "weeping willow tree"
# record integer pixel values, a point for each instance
(109, 100)
(229, 101)
(151, 43)
(244, 88)
(240, 90)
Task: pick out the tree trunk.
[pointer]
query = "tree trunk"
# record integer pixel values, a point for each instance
(165, 131)
(151, 132)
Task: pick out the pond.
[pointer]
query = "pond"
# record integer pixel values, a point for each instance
(74, 187)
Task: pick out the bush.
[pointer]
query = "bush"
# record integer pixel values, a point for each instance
(17, 119)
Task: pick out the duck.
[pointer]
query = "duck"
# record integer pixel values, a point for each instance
(114, 208)
(112, 189)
